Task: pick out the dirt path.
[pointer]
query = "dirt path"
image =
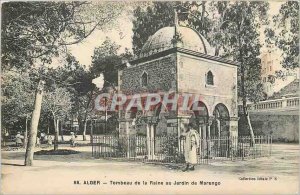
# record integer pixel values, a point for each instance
(57, 174)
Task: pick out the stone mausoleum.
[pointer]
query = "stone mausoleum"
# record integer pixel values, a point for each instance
(179, 60)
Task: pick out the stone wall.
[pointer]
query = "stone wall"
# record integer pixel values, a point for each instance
(192, 73)
(284, 128)
(161, 76)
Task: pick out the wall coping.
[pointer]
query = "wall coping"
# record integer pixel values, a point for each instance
(180, 50)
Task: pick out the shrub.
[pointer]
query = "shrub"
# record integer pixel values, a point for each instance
(56, 152)
(171, 151)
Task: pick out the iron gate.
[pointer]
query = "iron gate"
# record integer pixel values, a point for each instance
(167, 149)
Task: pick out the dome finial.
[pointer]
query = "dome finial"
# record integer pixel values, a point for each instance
(175, 18)
(175, 38)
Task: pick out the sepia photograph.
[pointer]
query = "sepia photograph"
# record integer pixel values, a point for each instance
(149, 97)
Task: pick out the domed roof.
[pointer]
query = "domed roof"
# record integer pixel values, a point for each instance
(163, 39)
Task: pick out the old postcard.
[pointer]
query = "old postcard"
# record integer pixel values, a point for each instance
(150, 97)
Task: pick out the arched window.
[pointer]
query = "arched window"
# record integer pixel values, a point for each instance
(144, 79)
(210, 78)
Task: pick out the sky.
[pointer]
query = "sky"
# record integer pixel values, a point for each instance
(122, 35)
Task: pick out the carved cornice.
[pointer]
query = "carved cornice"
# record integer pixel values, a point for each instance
(181, 50)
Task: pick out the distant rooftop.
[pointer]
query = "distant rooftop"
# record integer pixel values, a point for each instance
(291, 90)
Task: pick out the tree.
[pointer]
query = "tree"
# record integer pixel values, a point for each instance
(17, 100)
(195, 15)
(82, 90)
(207, 18)
(34, 32)
(105, 61)
(38, 30)
(58, 103)
(241, 23)
(147, 22)
(285, 35)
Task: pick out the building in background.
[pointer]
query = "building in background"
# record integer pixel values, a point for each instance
(278, 115)
(274, 76)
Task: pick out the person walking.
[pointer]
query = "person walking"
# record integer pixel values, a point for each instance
(192, 141)
(42, 137)
(73, 140)
(38, 141)
(49, 140)
(19, 138)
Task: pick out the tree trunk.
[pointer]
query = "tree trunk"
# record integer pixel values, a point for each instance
(80, 126)
(57, 129)
(91, 133)
(217, 51)
(245, 111)
(34, 124)
(61, 132)
(55, 132)
(48, 128)
(26, 132)
(84, 130)
(247, 117)
(86, 116)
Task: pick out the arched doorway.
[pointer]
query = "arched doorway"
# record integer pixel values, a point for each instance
(220, 126)
(200, 118)
(154, 127)
(220, 131)
(134, 123)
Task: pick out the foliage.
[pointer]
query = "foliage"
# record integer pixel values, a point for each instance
(16, 99)
(80, 87)
(58, 102)
(196, 15)
(241, 24)
(106, 60)
(36, 31)
(286, 34)
(170, 150)
(147, 21)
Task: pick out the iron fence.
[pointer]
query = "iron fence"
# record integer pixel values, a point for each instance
(167, 149)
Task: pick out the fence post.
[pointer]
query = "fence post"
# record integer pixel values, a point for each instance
(254, 145)
(271, 145)
(128, 147)
(100, 146)
(268, 145)
(230, 147)
(92, 145)
(261, 144)
(243, 151)
(110, 146)
(96, 148)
